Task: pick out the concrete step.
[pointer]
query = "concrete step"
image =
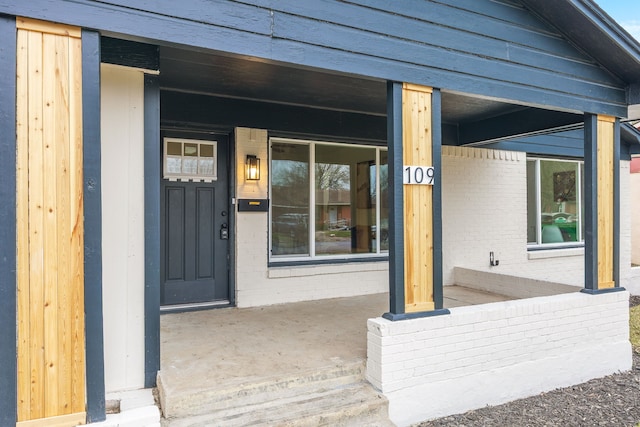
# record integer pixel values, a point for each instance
(353, 405)
(179, 403)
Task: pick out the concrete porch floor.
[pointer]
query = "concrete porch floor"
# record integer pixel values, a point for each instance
(230, 347)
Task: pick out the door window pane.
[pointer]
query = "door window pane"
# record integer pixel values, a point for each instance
(188, 159)
(290, 199)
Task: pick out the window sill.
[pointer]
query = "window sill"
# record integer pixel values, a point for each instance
(555, 253)
(296, 270)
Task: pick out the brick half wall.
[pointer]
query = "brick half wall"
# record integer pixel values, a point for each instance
(495, 353)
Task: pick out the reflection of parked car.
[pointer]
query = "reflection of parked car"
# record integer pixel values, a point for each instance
(384, 230)
(291, 223)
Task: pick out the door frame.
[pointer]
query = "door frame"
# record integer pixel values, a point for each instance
(201, 133)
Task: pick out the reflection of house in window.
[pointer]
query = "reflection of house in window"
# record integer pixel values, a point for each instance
(554, 204)
(324, 199)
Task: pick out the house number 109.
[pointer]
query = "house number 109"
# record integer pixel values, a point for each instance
(418, 175)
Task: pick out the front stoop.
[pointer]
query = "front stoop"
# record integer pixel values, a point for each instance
(337, 396)
(137, 409)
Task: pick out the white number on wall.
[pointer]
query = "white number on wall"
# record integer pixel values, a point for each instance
(418, 175)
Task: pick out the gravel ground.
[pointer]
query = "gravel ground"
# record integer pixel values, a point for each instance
(609, 401)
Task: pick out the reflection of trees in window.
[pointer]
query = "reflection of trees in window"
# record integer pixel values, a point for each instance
(344, 216)
(332, 176)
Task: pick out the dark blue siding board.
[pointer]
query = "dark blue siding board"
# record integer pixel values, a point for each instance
(152, 259)
(458, 72)
(565, 144)
(140, 25)
(396, 197)
(356, 63)
(246, 17)
(373, 45)
(545, 38)
(591, 202)
(410, 29)
(536, 149)
(92, 226)
(8, 284)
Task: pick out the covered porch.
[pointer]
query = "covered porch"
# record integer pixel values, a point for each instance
(231, 365)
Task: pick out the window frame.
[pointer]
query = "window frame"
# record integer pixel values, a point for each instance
(538, 245)
(312, 257)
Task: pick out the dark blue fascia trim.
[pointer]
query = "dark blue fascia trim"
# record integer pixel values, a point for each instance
(616, 203)
(602, 291)
(92, 226)
(152, 261)
(609, 26)
(591, 201)
(408, 316)
(396, 202)
(8, 363)
(436, 132)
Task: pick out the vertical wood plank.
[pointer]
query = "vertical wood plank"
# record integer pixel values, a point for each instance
(418, 199)
(63, 225)
(605, 201)
(77, 226)
(22, 227)
(50, 250)
(36, 224)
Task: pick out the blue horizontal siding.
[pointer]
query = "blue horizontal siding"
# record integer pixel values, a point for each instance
(563, 144)
(566, 144)
(483, 47)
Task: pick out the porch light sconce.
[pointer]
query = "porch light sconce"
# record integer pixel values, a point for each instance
(252, 172)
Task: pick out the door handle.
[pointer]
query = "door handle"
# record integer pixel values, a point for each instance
(224, 231)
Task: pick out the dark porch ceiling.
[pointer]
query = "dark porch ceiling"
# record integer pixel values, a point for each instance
(240, 81)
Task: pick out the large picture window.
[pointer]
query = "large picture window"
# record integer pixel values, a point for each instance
(328, 200)
(554, 202)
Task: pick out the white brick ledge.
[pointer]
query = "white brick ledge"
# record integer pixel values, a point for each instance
(494, 353)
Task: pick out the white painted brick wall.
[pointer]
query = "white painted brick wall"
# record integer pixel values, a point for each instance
(484, 195)
(494, 353)
(484, 209)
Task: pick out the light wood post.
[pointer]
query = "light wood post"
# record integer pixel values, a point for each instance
(602, 160)
(418, 200)
(50, 245)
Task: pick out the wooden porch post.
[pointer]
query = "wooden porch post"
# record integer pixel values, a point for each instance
(602, 198)
(50, 228)
(415, 229)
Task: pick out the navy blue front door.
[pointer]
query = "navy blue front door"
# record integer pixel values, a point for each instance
(195, 245)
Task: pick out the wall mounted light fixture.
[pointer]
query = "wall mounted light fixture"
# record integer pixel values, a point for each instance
(252, 172)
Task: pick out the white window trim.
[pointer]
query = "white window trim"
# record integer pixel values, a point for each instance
(312, 199)
(538, 246)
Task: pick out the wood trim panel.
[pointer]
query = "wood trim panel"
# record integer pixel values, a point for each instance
(50, 247)
(58, 421)
(47, 27)
(418, 200)
(605, 200)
